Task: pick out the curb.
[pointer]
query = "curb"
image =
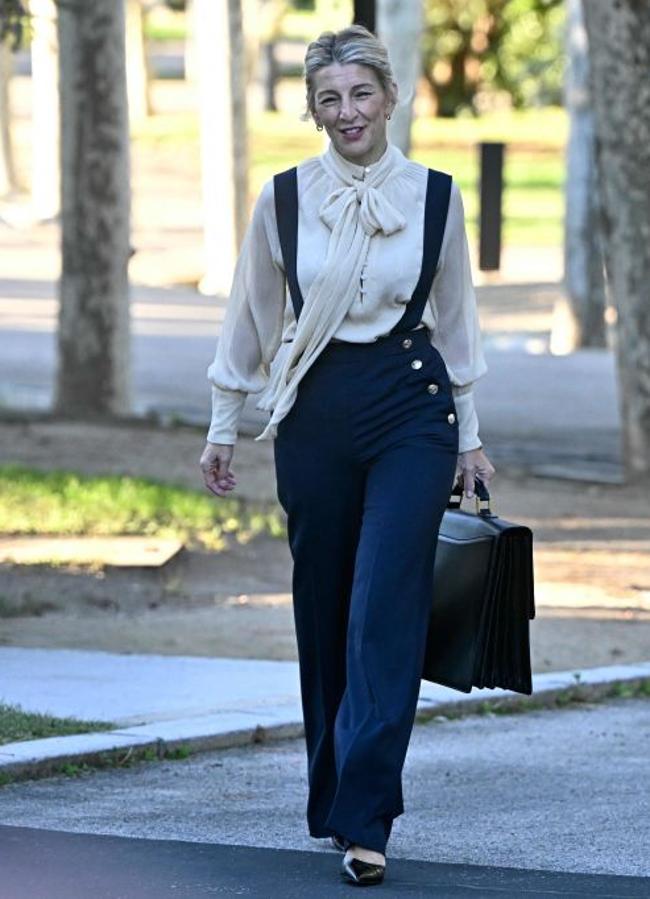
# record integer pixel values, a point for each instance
(182, 737)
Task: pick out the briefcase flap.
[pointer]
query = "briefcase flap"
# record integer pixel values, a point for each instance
(464, 526)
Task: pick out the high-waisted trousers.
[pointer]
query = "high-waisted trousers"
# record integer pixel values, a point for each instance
(365, 461)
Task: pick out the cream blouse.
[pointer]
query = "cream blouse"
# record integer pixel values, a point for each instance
(259, 324)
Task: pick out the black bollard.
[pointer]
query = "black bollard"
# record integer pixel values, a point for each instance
(490, 213)
(365, 13)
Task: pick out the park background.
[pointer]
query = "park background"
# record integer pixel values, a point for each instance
(107, 540)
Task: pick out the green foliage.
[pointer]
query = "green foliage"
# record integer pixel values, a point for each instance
(534, 164)
(13, 20)
(165, 23)
(534, 168)
(15, 725)
(474, 49)
(65, 502)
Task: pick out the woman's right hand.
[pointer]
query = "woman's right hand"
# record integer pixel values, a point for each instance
(215, 466)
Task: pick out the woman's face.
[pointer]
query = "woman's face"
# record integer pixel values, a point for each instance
(352, 106)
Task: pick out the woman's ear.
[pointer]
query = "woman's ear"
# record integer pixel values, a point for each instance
(393, 96)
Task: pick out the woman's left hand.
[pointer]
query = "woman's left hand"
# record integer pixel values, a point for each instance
(474, 464)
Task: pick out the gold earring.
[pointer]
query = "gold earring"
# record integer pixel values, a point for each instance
(319, 127)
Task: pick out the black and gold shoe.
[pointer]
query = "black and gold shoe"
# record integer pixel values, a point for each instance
(339, 843)
(361, 873)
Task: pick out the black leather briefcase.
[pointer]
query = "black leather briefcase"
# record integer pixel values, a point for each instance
(483, 600)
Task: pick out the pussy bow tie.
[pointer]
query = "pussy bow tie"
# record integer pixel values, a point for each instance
(375, 212)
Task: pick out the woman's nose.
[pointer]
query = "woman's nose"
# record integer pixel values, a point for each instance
(347, 110)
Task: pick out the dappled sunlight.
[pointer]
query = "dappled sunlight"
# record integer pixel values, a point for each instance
(257, 599)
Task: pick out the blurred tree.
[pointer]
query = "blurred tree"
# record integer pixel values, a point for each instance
(222, 97)
(189, 55)
(493, 45)
(13, 19)
(138, 73)
(619, 47)
(399, 25)
(263, 18)
(270, 74)
(93, 369)
(583, 257)
(8, 181)
(46, 187)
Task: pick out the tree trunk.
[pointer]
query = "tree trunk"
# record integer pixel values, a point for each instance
(93, 374)
(220, 61)
(189, 61)
(583, 258)
(46, 182)
(400, 28)
(7, 168)
(457, 92)
(619, 41)
(138, 76)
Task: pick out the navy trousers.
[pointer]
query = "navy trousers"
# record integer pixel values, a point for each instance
(365, 462)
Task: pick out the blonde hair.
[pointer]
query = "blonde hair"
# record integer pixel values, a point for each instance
(354, 44)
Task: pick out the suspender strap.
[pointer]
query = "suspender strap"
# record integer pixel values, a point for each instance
(436, 207)
(285, 187)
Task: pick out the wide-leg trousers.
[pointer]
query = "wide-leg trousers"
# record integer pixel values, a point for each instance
(365, 462)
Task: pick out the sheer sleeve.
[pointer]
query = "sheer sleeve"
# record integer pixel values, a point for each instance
(456, 333)
(252, 327)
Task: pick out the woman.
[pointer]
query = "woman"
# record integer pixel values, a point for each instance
(374, 354)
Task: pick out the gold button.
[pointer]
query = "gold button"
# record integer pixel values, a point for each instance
(407, 343)
(432, 388)
(417, 363)
(451, 418)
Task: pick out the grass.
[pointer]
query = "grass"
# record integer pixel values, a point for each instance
(576, 696)
(68, 503)
(533, 165)
(162, 24)
(533, 173)
(17, 725)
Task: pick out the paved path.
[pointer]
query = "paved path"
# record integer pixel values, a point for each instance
(548, 791)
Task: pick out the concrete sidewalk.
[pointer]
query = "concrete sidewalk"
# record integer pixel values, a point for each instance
(164, 702)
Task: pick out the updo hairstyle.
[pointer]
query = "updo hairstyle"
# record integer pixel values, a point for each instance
(354, 44)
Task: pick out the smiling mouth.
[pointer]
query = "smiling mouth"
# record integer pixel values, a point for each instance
(352, 132)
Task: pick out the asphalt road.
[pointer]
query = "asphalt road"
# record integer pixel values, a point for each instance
(74, 866)
(493, 805)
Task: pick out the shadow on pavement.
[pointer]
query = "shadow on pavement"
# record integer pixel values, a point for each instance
(55, 865)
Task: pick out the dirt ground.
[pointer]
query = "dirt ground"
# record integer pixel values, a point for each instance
(591, 562)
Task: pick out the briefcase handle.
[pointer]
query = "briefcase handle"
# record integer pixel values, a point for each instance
(483, 507)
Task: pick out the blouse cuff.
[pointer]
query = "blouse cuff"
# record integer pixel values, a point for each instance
(468, 438)
(227, 407)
